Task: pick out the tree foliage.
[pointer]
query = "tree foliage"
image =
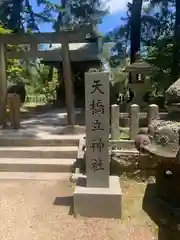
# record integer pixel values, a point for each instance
(19, 16)
(79, 12)
(154, 30)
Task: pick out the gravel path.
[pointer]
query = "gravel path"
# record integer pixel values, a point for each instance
(39, 210)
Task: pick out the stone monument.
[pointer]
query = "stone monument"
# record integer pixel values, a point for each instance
(97, 194)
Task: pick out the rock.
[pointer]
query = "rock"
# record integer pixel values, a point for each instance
(142, 140)
(172, 94)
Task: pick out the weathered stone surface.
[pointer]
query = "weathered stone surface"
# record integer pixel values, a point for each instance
(141, 140)
(165, 141)
(157, 124)
(98, 202)
(127, 163)
(153, 113)
(172, 94)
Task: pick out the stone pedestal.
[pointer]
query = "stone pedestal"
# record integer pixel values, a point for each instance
(139, 91)
(98, 202)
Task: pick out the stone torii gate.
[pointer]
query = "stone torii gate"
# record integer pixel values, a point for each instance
(34, 40)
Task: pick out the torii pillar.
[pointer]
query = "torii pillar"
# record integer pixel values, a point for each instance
(3, 84)
(68, 82)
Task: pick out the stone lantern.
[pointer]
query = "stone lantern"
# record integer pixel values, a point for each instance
(139, 70)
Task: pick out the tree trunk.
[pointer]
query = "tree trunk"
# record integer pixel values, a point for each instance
(176, 55)
(135, 28)
(69, 84)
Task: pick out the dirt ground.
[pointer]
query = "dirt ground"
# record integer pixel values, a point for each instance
(39, 210)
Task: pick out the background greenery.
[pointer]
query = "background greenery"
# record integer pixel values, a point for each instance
(154, 29)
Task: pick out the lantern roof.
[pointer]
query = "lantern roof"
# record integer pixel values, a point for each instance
(139, 66)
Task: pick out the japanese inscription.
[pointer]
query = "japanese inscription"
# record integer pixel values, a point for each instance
(97, 86)
(97, 128)
(99, 145)
(97, 107)
(97, 164)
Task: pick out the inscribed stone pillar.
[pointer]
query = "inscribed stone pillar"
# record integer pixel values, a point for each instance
(68, 82)
(97, 195)
(134, 121)
(3, 85)
(97, 129)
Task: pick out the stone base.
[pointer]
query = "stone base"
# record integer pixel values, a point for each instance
(98, 202)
